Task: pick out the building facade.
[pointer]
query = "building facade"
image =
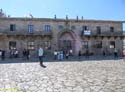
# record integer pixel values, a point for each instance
(95, 36)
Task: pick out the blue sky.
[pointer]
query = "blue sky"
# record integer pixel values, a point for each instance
(89, 9)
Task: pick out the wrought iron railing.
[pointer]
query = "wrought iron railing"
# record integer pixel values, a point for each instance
(104, 33)
(25, 32)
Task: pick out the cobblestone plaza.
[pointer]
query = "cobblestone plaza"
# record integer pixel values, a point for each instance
(83, 76)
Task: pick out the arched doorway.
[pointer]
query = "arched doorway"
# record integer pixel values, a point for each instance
(66, 40)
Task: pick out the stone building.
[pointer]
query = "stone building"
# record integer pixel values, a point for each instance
(95, 36)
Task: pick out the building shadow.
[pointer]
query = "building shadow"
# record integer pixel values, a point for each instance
(51, 59)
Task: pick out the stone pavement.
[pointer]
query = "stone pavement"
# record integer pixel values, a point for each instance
(83, 76)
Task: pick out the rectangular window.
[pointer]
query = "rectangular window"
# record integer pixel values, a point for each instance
(98, 44)
(111, 29)
(31, 45)
(98, 28)
(47, 28)
(85, 27)
(73, 27)
(112, 44)
(30, 28)
(60, 27)
(47, 45)
(85, 44)
(12, 45)
(12, 27)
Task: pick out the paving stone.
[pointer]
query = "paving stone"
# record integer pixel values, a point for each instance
(86, 76)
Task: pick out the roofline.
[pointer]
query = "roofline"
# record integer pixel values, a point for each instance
(58, 19)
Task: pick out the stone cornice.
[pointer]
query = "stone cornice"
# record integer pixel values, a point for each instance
(60, 20)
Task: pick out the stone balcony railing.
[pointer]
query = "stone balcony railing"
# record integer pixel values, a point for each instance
(104, 34)
(25, 32)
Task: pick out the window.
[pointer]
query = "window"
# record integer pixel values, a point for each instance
(12, 27)
(12, 45)
(31, 45)
(85, 44)
(98, 44)
(47, 28)
(98, 28)
(60, 27)
(111, 29)
(47, 45)
(84, 27)
(112, 44)
(73, 27)
(30, 28)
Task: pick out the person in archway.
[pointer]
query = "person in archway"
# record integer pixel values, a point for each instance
(40, 54)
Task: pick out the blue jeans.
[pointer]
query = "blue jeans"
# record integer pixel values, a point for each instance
(41, 60)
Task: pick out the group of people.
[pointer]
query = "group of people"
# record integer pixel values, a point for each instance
(115, 53)
(14, 53)
(60, 54)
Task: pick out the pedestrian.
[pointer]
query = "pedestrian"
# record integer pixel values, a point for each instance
(71, 52)
(87, 53)
(24, 53)
(28, 54)
(115, 53)
(79, 55)
(40, 54)
(124, 54)
(61, 55)
(0, 54)
(67, 55)
(58, 55)
(55, 54)
(11, 53)
(103, 53)
(16, 53)
(3, 55)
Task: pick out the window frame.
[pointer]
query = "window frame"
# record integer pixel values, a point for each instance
(111, 29)
(31, 45)
(112, 45)
(47, 28)
(12, 45)
(30, 28)
(12, 27)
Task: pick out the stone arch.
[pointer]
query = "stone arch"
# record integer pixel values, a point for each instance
(66, 40)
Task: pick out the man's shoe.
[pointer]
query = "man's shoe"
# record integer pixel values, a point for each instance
(43, 66)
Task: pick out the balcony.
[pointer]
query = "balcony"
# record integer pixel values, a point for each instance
(26, 33)
(104, 34)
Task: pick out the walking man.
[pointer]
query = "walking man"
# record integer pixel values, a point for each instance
(40, 54)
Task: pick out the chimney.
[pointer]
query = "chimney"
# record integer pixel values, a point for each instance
(77, 18)
(66, 17)
(55, 16)
(82, 17)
